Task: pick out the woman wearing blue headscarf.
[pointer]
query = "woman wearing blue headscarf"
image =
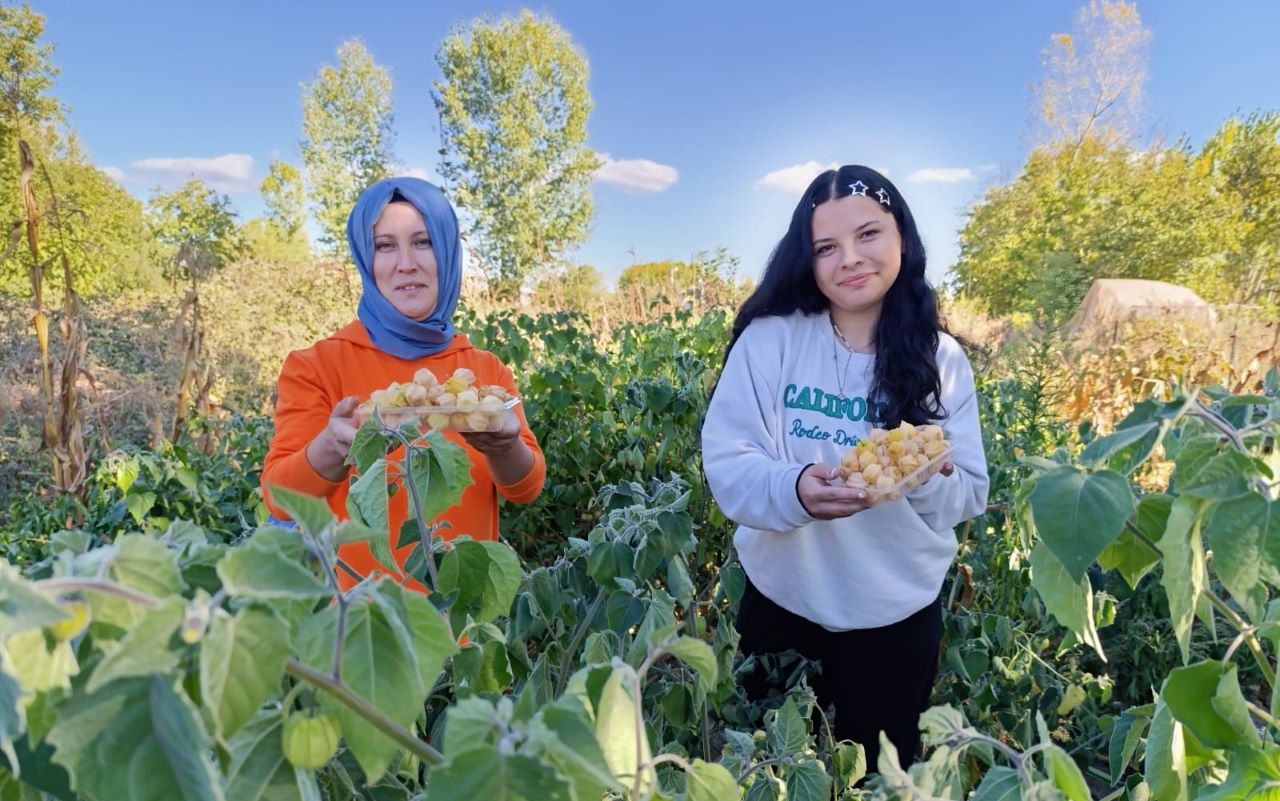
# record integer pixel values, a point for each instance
(404, 238)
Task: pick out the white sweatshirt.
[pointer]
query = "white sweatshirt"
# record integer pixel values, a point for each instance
(776, 409)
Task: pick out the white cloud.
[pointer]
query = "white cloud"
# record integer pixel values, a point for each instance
(794, 179)
(232, 172)
(942, 175)
(114, 173)
(636, 175)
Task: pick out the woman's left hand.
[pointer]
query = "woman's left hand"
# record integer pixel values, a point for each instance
(508, 456)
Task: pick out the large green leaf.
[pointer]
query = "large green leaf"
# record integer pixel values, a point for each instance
(1065, 774)
(1206, 698)
(623, 742)
(1184, 568)
(493, 775)
(1126, 736)
(697, 655)
(138, 739)
(378, 663)
(789, 733)
(563, 735)
(471, 723)
(807, 780)
(1244, 534)
(13, 720)
(485, 575)
(1126, 448)
(707, 781)
(1251, 774)
(999, 784)
(368, 446)
(1209, 469)
(482, 668)
(367, 500)
(432, 641)
(144, 564)
(145, 649)
(1165, 763)
(258, 770)
(1067, 599)
(270, 566)
(241, 663)
(311, 513)
(39, 663)
(22, 606)
(1078, 515)
(441, 473)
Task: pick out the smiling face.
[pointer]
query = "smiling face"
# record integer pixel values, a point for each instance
(404, 263)
(857, 252)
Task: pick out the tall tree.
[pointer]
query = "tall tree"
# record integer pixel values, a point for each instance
(346, 137)
(285, 197)
(1092, 87)
(513, 105)
(196, 228)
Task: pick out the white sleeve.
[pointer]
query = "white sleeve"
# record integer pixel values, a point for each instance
(944, 502)
(740, 454)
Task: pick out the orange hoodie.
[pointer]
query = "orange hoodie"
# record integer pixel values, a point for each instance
(311, 384)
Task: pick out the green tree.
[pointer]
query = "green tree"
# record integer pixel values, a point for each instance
(346, 137)
(195, 228)
(578, 286)
(283, 193)
(513, 106)
(265, 241)
(1092, 87)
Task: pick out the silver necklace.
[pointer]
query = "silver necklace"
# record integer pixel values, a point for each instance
(841, 375)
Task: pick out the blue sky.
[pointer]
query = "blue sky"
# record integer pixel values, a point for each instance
(732, 103)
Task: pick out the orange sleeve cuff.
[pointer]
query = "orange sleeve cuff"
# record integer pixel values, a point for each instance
(529, 487)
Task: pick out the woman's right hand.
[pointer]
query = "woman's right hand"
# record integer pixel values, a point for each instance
(327, 453)
(823, 499)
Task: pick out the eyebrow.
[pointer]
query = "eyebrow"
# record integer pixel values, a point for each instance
(392, 236)
(855, 230)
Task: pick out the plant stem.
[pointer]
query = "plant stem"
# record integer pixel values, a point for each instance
(1214, 419)
(1230, 614)
(105, 586)
(1263, 715)
(342, 610)
(581, 632)
(363, 708)
(425, 534)
(746, 774)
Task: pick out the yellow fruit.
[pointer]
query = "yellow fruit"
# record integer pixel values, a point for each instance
(849, 461)
(896, 435)
(871, 473)
(934, 448)
(446, 399)
(867, 458)
(468, 400)
(878, 435)
(415, 394)
(855, 480)
(438, 420)
(455, 385)
(310, 742)
(69, 627)
(884, 483)
(458, 420)
(907, 429)
(425, 377)
(478, 421)
(491, 403)
(897, 448)
(930, 432)
(465, 375)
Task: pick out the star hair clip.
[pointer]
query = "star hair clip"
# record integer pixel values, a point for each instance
(859, 188)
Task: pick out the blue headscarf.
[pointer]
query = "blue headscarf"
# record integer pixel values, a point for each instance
(391, 331)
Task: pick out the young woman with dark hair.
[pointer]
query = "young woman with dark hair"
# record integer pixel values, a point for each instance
(842, 335)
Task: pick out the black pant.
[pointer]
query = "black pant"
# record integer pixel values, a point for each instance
(877, 679)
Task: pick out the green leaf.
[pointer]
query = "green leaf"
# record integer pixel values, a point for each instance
(1251, 774)
(270, 566)
(485, 575)
(678, 582)
(368, 446)
(258, 770)
(470, 723)
(378, 664)
(1102, 449)
(432, 641)
(139, 504)
(1126, 735)
(367, 499)
(493, 775)
(1065, 774)
(1068, 600)
(446, 477)
(37, 667)
(707, 781)
(1079, 515)
(13, 719)
(616, 731)
(807, 780)
(999, 784)
(144, 564)
(22, 606)
(241, 664)
(482, 668)
(849, 762)
(1184, 568)
(137, 739)
(562, 734)
(1206, 698)
(697, 655)
(1210, 470)
(1244, 534)
(789, 734)
(1165, 763)
(144, 649)
(311, 513)
(1153, 515)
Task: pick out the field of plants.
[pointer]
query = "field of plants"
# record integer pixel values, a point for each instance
(1110, 625)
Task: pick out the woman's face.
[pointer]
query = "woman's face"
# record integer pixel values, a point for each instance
(404, 263)
(857, 252)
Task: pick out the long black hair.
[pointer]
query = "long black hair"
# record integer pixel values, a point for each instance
(906, 371)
